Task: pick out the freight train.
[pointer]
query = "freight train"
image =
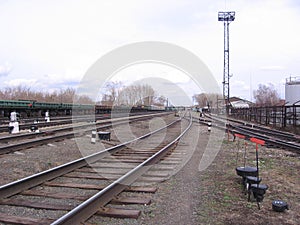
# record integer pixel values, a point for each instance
(32, 104)
(29, 108)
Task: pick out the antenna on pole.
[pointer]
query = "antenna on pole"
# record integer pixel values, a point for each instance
(226, 18)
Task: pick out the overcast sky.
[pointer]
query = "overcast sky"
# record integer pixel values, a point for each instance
(49, 45)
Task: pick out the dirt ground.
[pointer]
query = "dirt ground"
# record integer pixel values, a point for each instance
(213, 196)
(216, 195)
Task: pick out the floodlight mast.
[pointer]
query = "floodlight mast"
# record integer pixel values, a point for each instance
(226, 18)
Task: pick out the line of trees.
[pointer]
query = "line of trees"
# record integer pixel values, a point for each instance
(115, 93)
(210, 99)
(136, 94)
(265, 95)
(25, 93)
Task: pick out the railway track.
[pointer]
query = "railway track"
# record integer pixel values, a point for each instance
(272, 138)
(12, 143)
(56, 196)
(57, 122)
(26, 124)
(265, 130)
(5, 121)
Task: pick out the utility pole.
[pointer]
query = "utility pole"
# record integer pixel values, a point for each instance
(226, 18)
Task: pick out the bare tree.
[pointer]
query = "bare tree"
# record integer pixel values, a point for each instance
(210, 99)
(136, 94)
(266, 95)
(201, 99)
(25, 93)
(67, 95)
(142, 94)
(111, 94)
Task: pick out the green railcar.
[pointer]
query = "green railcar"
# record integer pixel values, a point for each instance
(16, 104)
(32, 104)
(46, 105)
(82, 106)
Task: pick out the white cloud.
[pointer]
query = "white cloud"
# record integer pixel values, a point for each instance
(272, 68)
(5, 69)
(63, 38)
(22, 82)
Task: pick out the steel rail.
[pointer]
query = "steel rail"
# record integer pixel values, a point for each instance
(61, 122)
(88, 208)
(41, 133)
(259, 129)
(43, 140)
(41, 118)
(278, 133)
(270, 141)
(27, 126)
(36, 179)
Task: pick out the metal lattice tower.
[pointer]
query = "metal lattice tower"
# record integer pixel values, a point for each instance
(226, 18)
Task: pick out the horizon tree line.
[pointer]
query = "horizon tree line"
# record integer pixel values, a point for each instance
(265, 95)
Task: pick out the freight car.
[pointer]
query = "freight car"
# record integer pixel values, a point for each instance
(32, 104)
(32, 108)
(13, 104)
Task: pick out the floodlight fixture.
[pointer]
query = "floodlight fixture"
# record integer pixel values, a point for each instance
(226, 16)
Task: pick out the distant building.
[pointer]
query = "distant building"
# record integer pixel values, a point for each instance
(292, 91)
(236, 102)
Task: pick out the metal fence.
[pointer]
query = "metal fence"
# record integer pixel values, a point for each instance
(285, 117)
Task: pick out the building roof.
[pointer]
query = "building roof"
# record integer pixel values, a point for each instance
(239, 104)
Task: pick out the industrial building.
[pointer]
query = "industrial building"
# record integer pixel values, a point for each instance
(292, 91)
